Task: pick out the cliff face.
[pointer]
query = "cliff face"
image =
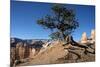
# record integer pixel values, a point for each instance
(21, 51)
(52, 52)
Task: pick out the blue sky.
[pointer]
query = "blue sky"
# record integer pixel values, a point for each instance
(24, 16)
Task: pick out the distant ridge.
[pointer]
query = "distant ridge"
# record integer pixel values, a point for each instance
(14, 41)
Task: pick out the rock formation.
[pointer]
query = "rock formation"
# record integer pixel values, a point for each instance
(26, 50)
(12, 56)
(92, 34)
(32, 53)
(84, 38)
(39, 52)
(50, 55)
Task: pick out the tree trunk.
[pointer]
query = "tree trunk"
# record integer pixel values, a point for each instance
(63, 36)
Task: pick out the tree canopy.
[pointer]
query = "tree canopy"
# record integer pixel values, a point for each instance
(62, 22)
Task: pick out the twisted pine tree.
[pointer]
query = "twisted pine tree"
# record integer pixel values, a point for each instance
(62, 22)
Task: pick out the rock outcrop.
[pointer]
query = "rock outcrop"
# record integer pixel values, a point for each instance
(32, 53)
(84, 38)
(50, 55)
(92, 34)
(22, 50)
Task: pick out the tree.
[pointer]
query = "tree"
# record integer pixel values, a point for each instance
(62, 22)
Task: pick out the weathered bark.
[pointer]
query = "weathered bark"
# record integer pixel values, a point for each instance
(63, 36)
